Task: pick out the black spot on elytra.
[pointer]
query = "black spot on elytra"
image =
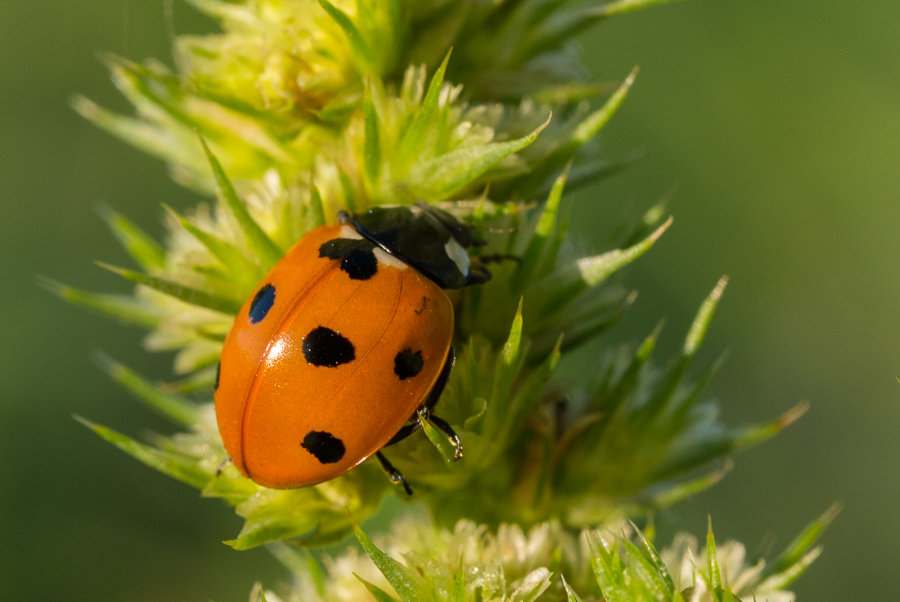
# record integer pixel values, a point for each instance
(324, 347)
(327, 448)
(408, 363)
(218, 371)
(262, 303)
(360, 264)
(356, 255)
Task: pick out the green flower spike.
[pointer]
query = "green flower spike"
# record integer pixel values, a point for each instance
(417, 562)
(300, 108)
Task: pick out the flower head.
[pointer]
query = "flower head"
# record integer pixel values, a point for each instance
(298, 109)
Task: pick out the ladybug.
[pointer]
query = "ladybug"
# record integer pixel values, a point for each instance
(345, 346)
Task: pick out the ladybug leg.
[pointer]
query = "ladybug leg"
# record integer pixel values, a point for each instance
(445, 428)
(405, 431)
(225, 464)
(416, 420)
(498, 257)
(424, 413)
(393, 473)
(479, 274)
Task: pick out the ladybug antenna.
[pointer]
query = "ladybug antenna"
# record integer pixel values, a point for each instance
(498, 257)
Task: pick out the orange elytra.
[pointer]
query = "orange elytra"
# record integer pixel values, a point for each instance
(344, 347)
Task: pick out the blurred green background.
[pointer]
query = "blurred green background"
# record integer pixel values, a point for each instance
(779, 125)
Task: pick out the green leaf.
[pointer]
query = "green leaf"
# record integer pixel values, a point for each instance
(348, 190)
(272, 515)
(532, 585)
(126, 308)
(620, 7)
(459, 583)
(143, 85)
(644, 569)
(505, 370)
(372, 152)
(712, 561)
(539, 376)
(585, 326)
(581, 133)
(757, 434)
(262, 594)
(669, 494)
(400, 578)
(782, 580)
(259, 241)
(356, 39)
(174, 407)
(237, 263)
(609, 572)
(147, 252)
(178, 467)
(595, 122)
(136, 132)
(300, 561)
(379, 594)
(704, 315)
(595, 270)
(413, 137)
(571, 596)
(658, 567)
(791, 563)
(317, 209)
(630, 378)
(591, 271)
(533, 256)
(179, 291)
(175, 114)
(439, 178)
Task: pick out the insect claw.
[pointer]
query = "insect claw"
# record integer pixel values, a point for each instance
(223, 465)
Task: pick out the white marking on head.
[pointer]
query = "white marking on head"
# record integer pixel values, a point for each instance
(348, 231)
(385, 258)
(457, 255)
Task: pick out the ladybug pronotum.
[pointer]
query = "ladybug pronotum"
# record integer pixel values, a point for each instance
(344, 347)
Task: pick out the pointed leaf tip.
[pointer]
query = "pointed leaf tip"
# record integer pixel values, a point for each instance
(513, 343)
(598, 268)
(176, 408)
(177, 466)
(798, 555)
(122, 307)
(257, 239)
(85, 422)
(704, 316)
(792, 415)
(442, 176)
(757, 434)
(354, 36)
(712, 560)
(184, 293)
(620, 7)
(571, 596)
(148, 253)
(396, 573)
(372, 139)
(595, 122)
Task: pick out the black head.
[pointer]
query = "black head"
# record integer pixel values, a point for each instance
(432, 241)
